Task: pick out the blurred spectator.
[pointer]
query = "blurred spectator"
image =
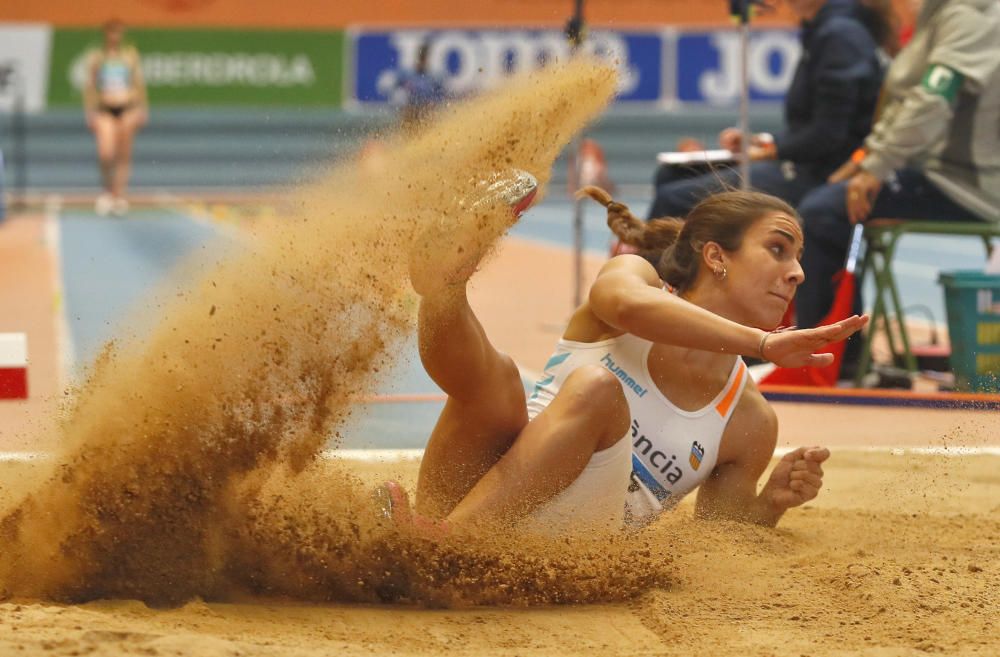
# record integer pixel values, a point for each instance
(884, 23)
(422, 89)
(934, 153)
(115, 103)
(828, 111)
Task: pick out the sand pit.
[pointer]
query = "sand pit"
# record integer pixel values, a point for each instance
(898, 556)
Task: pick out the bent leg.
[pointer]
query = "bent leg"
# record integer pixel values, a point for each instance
(589, 414)
(126, 128)
(485, 409)
(911, 195)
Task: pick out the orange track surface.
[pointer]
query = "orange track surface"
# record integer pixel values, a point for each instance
(27, 305)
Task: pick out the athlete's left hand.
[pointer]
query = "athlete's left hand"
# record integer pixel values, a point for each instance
(862, 189)
(796, 478)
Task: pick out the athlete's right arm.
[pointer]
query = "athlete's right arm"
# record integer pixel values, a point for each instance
(628, 296)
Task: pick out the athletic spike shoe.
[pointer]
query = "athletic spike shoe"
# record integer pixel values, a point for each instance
(449, 250)
(516, 189)
(392, 505)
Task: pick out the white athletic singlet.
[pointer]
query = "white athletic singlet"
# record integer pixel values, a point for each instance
(114, 75)
(672, 450)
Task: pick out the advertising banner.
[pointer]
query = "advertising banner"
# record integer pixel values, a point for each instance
(468, 61)
(24, 66)
(708, 65)
(656, 68)
(251, 67)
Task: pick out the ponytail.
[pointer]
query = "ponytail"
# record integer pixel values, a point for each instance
(674, 246)
(650, 238)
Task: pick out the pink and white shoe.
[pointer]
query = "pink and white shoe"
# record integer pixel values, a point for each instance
(516, 189)
(393, 505)
(451, 247)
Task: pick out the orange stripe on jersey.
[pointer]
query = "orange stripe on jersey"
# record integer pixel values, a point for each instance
(723, 406)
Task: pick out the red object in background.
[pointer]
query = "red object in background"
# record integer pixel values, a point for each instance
(842, 308)
(593, 168)
(905, 34)
(13, 383)
(843, 305)
(13, 366)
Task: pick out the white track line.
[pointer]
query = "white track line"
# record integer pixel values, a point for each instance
(65, 349)
(400, 455)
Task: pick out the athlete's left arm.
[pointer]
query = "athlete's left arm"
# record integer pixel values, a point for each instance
(139, 82)
(730, 492)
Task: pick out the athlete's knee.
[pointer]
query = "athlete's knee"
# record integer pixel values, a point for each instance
(500, 398)
(594, 396)
(510, 387)
(593, 389)
(106, 156)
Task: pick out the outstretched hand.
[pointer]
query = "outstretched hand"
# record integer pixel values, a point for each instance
(796, 478)
(797, 348)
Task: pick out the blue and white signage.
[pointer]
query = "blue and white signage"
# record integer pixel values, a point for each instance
(708, 65)
(662, 67)
(468, 61)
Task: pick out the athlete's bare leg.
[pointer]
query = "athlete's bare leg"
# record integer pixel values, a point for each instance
(485, 410)
(483, 459)
(589, 414)
(106, 138)
(126, 129)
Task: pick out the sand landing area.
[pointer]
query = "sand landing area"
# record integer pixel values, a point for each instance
(900, 555)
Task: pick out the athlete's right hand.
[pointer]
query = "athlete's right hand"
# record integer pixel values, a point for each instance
(797, 348)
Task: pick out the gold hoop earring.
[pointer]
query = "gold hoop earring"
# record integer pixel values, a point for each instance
(721, 273)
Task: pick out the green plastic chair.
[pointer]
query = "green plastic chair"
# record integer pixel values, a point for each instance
(882, 237)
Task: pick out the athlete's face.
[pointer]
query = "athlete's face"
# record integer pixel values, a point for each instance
(763, 274)
(113, 36)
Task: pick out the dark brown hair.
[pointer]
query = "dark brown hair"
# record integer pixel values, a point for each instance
(674, 246)
(883, 23)
(113, 24)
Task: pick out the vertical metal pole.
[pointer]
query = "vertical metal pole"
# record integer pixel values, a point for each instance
(19, 157)
(574, 31)
(744, 123)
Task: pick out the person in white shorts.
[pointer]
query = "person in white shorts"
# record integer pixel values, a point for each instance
(646, 396)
